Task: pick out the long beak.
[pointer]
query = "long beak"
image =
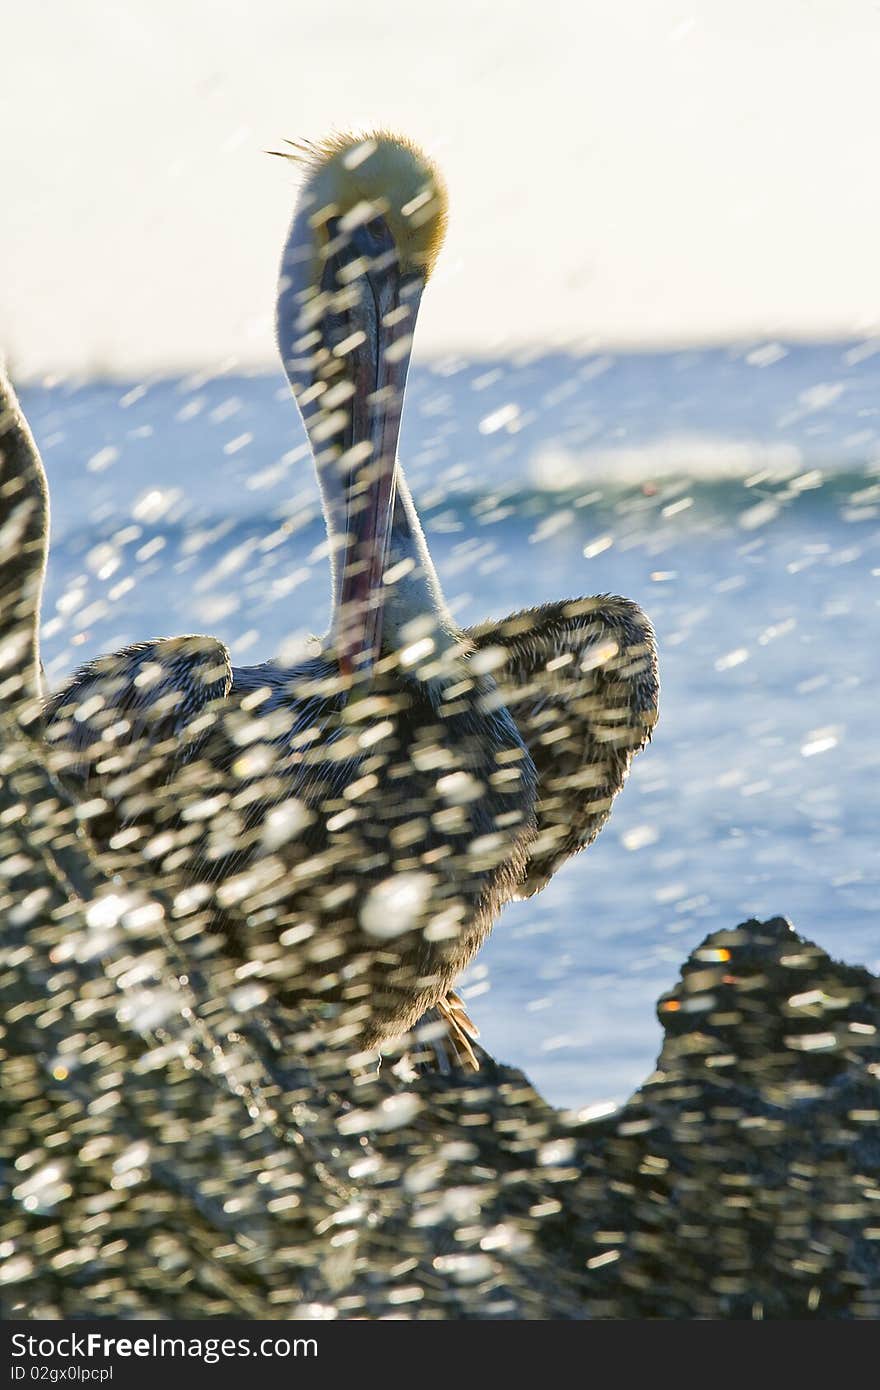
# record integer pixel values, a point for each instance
(380, 381)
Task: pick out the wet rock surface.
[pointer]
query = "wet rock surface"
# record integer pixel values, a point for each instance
(742, 1177)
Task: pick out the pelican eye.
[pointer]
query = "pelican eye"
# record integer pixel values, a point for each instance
(373, 241)
(373, 230)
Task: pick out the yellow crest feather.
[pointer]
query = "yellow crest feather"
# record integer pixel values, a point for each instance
(383, 171)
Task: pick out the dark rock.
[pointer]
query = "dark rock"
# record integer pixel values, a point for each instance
(743, 1178)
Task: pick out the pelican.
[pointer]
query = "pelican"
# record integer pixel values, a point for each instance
(361, 815)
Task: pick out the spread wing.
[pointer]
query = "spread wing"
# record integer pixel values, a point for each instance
(126, 723)
(580, 679)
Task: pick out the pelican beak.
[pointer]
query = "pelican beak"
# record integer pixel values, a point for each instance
(380, 362)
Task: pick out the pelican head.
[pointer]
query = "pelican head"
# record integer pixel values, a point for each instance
(365, 236)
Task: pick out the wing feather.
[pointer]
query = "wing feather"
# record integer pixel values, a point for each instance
(580, 679)
(134, 718)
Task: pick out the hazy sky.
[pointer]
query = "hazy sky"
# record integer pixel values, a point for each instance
(636, 171)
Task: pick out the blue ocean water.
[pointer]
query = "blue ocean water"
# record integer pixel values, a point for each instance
(735, 493)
